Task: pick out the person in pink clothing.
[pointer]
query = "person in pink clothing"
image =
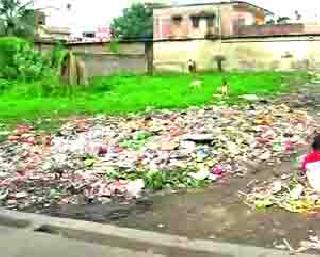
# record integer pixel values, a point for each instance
(313, 156)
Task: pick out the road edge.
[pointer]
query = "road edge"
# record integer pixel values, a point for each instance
(155, 239)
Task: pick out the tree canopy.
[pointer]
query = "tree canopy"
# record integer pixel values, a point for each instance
(283, 20)
(135, 23)
(16, 18)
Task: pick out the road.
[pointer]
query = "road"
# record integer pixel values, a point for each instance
(24, 243)
(68, 238)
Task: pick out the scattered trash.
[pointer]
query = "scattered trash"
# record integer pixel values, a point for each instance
(4, 194)
(304, 246)
(200, 175)
(105, 157)
(160, 226)
(134, 188)
(288, 245)
(296, 192)
(250, 97)
(287, 194)
(276, 187)
(89, 162)
(213, 177)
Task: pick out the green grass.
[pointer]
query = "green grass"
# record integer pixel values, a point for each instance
(123, 94)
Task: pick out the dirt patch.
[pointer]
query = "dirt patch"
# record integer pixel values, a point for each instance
(217, 213)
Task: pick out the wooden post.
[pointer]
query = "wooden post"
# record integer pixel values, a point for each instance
(72, 69)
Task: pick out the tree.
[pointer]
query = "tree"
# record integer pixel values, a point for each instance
(271, 21)
(283, 20)
(135, 23)
(16, 18)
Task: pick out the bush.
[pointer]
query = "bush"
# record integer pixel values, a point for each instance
(4, 85)
(9, 48)
(55, 59)
(29, 65)
(27, 73)
(20, 62)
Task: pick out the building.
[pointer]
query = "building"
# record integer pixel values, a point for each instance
(234, 35)
(84, 19)
(54, 21)
(53, 33)
(206, 20)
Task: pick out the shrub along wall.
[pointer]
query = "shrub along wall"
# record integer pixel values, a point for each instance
(19, 60)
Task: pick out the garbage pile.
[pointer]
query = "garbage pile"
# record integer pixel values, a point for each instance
(104, 157)
(290, 193)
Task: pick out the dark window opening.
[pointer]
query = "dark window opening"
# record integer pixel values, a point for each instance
(176, 19)
(40, 18)
(210, 22)
(195, 22)
(89, 35)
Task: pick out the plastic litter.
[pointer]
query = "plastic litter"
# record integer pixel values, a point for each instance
(200, 175)
(102, 157)
(134, 188)
(250, 97)
(285, 194)
(296, 192)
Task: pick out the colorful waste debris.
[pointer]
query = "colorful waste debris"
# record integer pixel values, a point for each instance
(103, 157)
(289, 194)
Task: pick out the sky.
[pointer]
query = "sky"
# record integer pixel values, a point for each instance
(90, 14)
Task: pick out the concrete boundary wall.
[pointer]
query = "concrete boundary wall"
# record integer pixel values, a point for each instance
(285, 53)
(100, 58)
(268, 53)
(98, 64)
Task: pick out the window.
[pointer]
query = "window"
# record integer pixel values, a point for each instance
(195, 22)
(176, 19)
(89, 34)
(210, 22)
(40, 18)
